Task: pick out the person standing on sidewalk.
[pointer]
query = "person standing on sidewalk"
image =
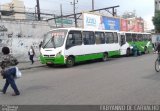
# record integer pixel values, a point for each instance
(8, 72)
(40, 45)
(31, 54)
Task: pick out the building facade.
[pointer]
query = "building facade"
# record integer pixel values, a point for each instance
(157, 5)
(11, 9)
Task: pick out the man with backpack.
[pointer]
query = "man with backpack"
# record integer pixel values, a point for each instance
(8, 71)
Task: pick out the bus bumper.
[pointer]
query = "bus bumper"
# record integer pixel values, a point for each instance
(52, 60)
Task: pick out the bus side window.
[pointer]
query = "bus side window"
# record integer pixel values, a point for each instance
(106, 37)
(109, 37)
(115, 37)
(74, 38)
(141, 37)
(88, 38)
(69, 42)
(122, 40)
(135, 37)
(129, 37)
(100, 38)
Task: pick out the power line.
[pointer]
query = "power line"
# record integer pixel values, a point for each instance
(113, 7)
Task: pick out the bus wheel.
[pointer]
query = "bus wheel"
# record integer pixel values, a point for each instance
(128, 52)
(105, 57)
(70, 62)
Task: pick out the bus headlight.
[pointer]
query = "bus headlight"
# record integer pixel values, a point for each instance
(59, 53)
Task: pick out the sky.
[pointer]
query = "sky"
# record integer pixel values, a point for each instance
(143, 8)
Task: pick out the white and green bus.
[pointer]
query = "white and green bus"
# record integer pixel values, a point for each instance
(71, 45)
(142, 41)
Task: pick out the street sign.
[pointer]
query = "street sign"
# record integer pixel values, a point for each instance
(64, 21)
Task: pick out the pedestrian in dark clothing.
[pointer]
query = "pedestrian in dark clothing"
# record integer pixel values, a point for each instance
(153, 45)
(31, 54)
(40, 45)
(158, 48)
(135, 49)
(9, 71)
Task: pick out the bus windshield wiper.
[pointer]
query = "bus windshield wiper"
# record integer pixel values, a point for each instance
(52, 42)
(47, 43)
(54, 46)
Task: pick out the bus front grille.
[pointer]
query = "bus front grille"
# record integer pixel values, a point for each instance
(48, 55)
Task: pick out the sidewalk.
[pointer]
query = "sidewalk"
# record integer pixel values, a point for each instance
(28, 65)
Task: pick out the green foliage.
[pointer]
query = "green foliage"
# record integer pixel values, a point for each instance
(156, 21)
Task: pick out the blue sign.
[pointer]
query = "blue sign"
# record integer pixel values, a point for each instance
(111, 23)
(90, 21)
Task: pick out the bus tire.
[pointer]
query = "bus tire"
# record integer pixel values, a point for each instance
(105, 57)
(70, 61)
(128, 52)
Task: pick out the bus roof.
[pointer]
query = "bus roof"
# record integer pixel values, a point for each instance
(137, 32)
(82, 29)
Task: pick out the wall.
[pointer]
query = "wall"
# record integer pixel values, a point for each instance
(19, 36)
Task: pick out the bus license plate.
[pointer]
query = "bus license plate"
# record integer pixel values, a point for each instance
(49, 62)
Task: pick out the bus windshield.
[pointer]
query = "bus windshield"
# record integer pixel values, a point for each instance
(54, 39)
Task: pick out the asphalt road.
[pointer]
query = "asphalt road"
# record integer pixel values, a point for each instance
(124, 80)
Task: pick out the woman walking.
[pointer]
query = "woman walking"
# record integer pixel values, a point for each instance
(31, 54)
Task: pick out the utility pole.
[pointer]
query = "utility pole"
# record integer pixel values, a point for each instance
(74, 11)
(38, 10)
(92, 4)
(113, 12)
(0, 12)
(61, 15)
(35, 12)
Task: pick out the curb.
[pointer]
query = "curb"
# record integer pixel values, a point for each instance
(26, 68)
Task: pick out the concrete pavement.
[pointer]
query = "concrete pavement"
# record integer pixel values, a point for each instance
(125, 80)
(28, 65)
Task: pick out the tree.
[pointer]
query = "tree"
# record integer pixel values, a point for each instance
(156, 21)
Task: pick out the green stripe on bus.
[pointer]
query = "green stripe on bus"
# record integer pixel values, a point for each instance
(88, 57)
(95, 56)
(114, 53)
